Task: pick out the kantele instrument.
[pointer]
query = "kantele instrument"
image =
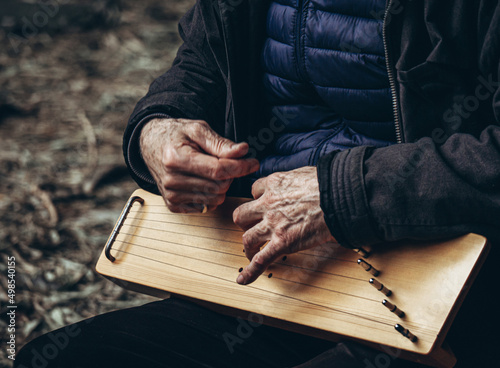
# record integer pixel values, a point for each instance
(394, 297)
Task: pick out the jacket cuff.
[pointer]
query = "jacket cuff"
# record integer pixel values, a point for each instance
(133, 156)
(343, 198)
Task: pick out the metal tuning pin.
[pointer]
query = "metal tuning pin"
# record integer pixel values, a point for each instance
(393, 308)
(362, 252)
(380, 287)
(405, 332)
(368, 267)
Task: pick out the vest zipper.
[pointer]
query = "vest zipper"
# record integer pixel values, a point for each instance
(392, 79)
(298, 38)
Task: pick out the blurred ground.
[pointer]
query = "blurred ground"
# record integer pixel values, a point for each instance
(70, 74)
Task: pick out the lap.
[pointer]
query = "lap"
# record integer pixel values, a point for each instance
(177, 333)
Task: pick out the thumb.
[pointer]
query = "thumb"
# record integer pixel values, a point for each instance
(215, 145)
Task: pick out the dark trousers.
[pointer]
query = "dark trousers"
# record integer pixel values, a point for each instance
(177, 333)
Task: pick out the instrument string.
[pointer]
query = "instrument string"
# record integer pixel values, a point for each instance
(313, 304)
(423, 329)
(180, 233)
(181, 244)
(212, 228)
(232, 267)
(192, 225)
(326, 289)
(225, 240)
(318, 271)
(240, 255)
(165, 213)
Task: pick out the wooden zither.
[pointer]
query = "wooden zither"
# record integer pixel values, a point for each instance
(402, 297)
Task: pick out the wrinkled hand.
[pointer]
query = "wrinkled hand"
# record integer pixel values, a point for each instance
(286, 213)
(191, 164)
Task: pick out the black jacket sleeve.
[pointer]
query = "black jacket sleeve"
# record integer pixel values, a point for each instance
(431, 187)
(193, 88)
(413, 191)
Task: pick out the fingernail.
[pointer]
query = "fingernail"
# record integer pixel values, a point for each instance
(240, 280)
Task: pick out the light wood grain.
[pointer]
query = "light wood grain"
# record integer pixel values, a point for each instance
(198, 256)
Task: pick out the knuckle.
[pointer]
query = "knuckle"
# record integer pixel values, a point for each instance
(171, 207)
(272, 216)
(181, 209)
(218, 172)
(169, 159)
(260, 182)
(220, 199)
(259, 261)
(281, 236)
(275, 180)
(236, 216)
(200, 198)
(268, 200)
(168, 181)
(214, 187)
(218, 144)
(201, 123)
(253, 191)
(280, 231)
(222, 186)
(246, 239)
(199, 127)
(170, 197)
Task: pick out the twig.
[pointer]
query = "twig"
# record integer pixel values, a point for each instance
(48, 204)
(92, 150)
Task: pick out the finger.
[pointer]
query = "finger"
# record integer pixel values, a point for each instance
(254, 238)
(258, 264)
(213, 168)
(183, 182)
(190, 208)
(216, 145)
(177, 198)
(248, 214)
(258, 188)
(183, 208)
(180, 207)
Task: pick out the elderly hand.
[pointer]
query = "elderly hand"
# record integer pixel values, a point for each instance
(192, 165)
(286, 213)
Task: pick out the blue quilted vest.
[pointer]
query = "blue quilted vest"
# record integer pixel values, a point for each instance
(325, 71)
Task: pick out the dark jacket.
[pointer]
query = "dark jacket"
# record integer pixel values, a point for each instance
(443, 61)
(442, 180)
